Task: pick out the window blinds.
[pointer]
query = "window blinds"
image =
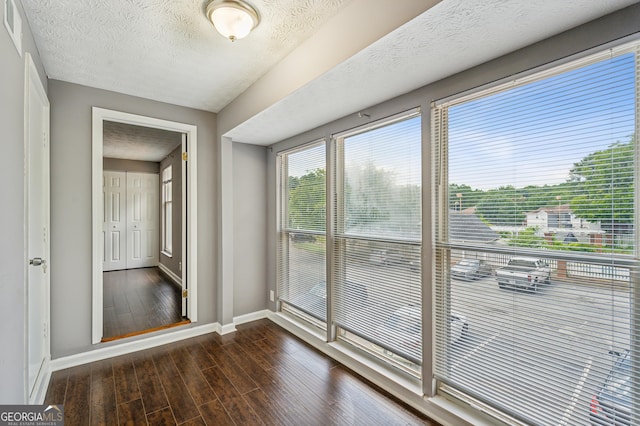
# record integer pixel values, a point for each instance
(302, 243)
(377, 219)
(536, 245)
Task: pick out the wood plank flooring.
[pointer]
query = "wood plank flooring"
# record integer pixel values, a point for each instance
(258, 375)
(135, 300)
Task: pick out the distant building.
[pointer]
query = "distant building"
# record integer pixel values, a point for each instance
(558, 218)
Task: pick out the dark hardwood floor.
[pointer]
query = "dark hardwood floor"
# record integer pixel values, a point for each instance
(258, 375)
(135, 300)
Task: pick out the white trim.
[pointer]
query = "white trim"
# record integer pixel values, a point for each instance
(226, 329)
(15, 33)
(42, 384)
(252, 316)
(31, 76)
(99, 115)
(176, 279)
(128, 347)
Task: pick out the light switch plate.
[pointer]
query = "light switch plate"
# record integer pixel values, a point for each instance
(13, 24)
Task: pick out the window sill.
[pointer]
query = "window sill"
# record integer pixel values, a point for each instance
(166, 253)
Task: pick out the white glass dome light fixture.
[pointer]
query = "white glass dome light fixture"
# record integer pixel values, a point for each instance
(234, 19)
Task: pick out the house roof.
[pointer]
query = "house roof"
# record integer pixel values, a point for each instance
(563, 208)
(469, 227)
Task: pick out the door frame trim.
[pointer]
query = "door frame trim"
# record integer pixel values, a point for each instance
(189, 224)
(31, 75)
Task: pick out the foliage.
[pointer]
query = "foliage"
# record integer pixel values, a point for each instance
(307, 201)
(604, 185)
(527, 238)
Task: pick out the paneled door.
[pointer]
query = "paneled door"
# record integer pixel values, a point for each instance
(114, 225)
(143, 223)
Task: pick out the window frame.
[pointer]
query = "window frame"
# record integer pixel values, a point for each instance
(339, 235)
(167, 204)
(442, 247)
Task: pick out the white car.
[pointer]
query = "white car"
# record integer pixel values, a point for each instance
(401, 333)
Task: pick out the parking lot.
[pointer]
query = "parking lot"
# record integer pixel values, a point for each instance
(532, 341)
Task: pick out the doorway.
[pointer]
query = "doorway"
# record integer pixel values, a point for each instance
(122, 238)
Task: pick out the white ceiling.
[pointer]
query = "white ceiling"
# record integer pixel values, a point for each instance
(130, 142)
(166, 50)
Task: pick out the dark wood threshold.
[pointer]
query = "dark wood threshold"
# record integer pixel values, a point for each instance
(149, 330)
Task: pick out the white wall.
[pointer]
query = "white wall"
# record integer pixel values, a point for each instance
(12, 297)
(71, 206)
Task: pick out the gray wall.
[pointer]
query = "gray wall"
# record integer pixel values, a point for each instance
(596, 33)
(71, 206)
(250, 225)
(175, 159)
(121, 165)
(12, 295)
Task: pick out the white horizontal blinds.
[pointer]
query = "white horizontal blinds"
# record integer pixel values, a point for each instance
(302, 273)
(536, 246)
(377, 242)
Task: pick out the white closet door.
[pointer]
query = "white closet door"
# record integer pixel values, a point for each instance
(114, 224)
(142, 220)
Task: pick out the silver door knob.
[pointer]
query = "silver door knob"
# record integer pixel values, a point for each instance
(36, 261)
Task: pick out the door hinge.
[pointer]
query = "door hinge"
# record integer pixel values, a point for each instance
(185, 156)
(185, 293)
(45, 330)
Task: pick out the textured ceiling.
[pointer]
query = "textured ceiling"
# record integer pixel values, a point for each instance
(137, 142)
(448, 38)
(166, 50)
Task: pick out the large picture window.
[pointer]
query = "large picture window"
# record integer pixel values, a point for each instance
(536, 245)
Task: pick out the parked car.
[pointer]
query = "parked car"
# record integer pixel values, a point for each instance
(387, 257)
(402, 331)
(298, 237)
(471, 269)
(314, 301)
(611, 406)
(524, 272)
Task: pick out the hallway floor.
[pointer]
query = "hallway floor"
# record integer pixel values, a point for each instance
(139, 299)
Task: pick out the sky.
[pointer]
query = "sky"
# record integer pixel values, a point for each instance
(533, 134)
(528, 135)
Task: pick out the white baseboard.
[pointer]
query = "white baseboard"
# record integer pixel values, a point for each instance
(176, 279)
(226, 329)
(252, 316)
(42, 384)
(130, 347)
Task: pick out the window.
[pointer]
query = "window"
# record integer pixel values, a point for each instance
(167, 209)
(536, 180)
(376, 249)
(302, 288)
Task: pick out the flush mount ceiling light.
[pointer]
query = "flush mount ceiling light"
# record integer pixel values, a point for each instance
(233, 19)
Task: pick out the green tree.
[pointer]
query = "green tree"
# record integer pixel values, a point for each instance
(463, 196)
(307, 201)
(503, 206)
(527, 238)
(604, 185)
